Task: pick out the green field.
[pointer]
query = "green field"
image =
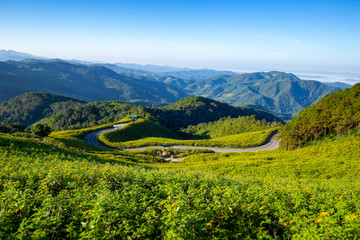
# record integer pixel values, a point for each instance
(48, 191)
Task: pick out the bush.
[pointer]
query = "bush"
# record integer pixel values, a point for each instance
(41, 130)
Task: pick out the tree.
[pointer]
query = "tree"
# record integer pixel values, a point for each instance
(148, 117)
(41, 130)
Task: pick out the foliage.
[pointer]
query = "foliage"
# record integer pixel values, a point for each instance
(6, 127)
(51, 193)
(140, 129)
(40, 130)
(312, 192)
(29, 108)
(228, 126)
(336, 113)
(134, 135)
(91, 114)
(195, 110)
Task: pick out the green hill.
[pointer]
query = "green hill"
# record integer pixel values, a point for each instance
(29, 108)
(194, 110)
(84, 115)
(140, 129)
(61, 112)
(228, 126)
(333, 115)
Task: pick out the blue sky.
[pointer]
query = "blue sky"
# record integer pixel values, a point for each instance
(259, 35)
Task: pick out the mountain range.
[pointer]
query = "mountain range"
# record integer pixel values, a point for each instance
(281, 93)
(90, 83)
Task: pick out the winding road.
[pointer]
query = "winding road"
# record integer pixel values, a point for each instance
(92, 137)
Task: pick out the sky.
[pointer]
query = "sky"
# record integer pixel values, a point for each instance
(255, 34)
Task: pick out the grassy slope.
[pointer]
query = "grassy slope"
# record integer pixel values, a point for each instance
(138, 135)
(49, 191)
(227, 126)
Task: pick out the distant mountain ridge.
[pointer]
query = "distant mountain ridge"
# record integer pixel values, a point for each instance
(6, 55)
(281, 93)
(338, 84)
(91, 83)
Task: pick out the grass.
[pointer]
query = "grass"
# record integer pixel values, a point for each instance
(52, 192)
(73, 139)
(80, 191)
(136, 135)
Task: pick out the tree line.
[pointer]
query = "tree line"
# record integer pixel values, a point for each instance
(334, 115)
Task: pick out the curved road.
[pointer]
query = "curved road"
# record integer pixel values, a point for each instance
(91, 138)
(271, 145)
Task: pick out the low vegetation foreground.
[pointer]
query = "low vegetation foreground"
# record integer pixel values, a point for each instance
(62, 187)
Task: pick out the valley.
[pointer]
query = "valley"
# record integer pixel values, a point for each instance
(283, 94)
(179, 120)
(178, 167)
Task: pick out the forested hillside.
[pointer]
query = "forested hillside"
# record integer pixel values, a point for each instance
(194, 110)
(29, 108)
(84, 115)
(335, 114)
(61, 112)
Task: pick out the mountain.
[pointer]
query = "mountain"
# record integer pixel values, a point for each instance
(335, 114)
(6, 55)
(62, 112)
(123, 70)
(29, 108)
(281, 93)
(338, 85)
(194, 110)
(150, 68)
(91, 83)
(200, 74)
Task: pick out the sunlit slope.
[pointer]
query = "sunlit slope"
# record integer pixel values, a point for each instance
(136, 135)
(272, 194)
(335, 115)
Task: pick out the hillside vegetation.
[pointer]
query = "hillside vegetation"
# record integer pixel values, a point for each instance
(228, 126)
(29, 108)
(306, 193)
(61, 113)
(91, 114)
(146, 133)
(140, 129)
(335, 114)
(195, 110)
